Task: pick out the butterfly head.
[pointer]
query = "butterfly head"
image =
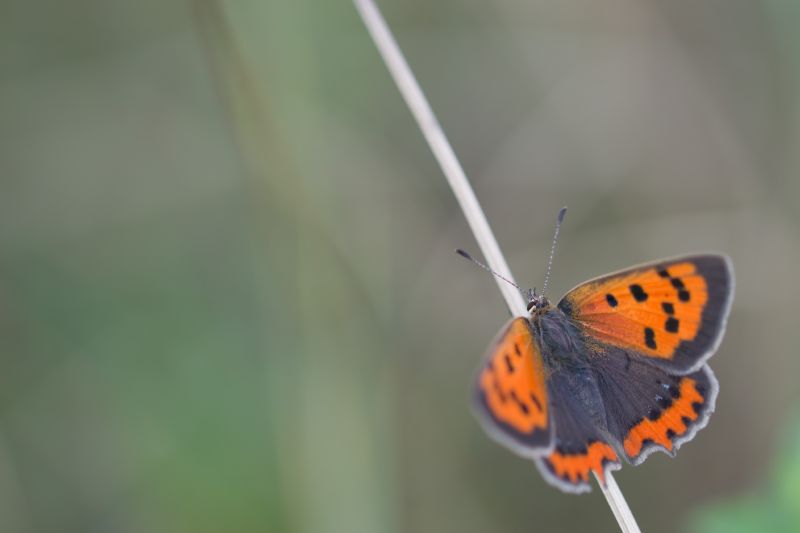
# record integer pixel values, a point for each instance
(538, 304)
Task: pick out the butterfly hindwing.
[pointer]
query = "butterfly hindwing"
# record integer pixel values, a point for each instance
(511, 392)
(672, 312)
(648, 409)
(581, 449)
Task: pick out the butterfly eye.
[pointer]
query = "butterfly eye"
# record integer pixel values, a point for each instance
(531, 305)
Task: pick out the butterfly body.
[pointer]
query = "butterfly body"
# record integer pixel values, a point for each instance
(561, 338)
(617, 369)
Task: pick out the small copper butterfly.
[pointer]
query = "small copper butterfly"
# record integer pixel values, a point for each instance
(616, 368)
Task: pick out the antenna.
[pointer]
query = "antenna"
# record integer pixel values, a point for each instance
(560, 219)
(465, 255)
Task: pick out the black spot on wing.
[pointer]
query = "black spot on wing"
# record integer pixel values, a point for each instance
(638, 292)
(670, 388)
(522, 406)
(611, 300)
(672, 324)
(665, 403)
(650, 338)
(536, 402)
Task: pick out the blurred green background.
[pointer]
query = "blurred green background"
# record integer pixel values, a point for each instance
(228, 294)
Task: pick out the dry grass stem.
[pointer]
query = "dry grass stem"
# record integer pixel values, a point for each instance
(432, 130)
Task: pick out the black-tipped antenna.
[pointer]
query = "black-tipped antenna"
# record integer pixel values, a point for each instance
(465, 255)
(560, 219)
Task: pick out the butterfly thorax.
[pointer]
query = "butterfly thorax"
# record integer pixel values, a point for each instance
(559, 335)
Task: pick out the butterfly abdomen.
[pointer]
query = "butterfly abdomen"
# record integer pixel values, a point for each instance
(565, 353)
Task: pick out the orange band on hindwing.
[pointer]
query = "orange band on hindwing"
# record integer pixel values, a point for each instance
(670, 424)
(576, 467)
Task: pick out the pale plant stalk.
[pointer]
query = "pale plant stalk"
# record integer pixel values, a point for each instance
(416, 101)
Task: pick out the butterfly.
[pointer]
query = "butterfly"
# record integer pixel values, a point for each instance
(616, 369)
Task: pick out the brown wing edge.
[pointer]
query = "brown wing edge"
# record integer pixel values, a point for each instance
(540, 442)
(696, 353)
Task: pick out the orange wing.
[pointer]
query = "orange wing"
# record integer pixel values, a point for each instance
(672, 311)
(511, 392)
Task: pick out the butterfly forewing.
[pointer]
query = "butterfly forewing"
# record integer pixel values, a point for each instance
(511, 391)
(672, 312)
